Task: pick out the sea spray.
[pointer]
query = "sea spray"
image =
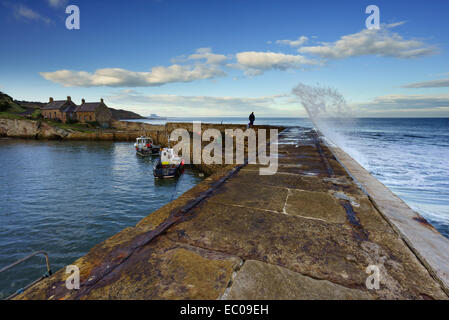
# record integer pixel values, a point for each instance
(330, 115)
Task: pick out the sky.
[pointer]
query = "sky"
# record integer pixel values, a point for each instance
(228, 58)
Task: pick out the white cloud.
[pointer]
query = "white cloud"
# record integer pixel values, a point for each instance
(395, 24)
(116, 77)
(177, 105)
(204, 64)
(254, 62)
(441, 83)
(23, 12)
(407, 102)
(251, 62)
(206, 54)
(57, 3)
(380, 42)
(294, 43)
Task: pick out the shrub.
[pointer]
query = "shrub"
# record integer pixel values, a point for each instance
(71, 121)
(94, 124)
(3, 106)
(37, 114)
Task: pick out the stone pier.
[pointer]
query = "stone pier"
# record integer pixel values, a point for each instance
(307, 232)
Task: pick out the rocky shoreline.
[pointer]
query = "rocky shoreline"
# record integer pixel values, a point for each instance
(37, 129)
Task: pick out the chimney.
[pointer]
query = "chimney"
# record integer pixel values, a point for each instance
(50, 100)
(69, 98)
(102, 101)
(83, 101)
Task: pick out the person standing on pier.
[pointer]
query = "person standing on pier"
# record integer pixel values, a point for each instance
(252, 118)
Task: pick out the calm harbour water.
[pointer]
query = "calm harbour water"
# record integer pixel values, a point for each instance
(65, 197)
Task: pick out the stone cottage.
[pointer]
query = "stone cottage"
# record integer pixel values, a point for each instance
(62, 110)
(94, 111)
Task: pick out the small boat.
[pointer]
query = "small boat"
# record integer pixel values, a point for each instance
(168, 165)
(145, 147)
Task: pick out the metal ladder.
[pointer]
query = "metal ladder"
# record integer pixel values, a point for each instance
(46, 275)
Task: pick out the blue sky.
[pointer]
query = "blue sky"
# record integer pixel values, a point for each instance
(228, 58)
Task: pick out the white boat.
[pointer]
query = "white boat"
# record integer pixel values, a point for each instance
(168, 165)
(145, 146)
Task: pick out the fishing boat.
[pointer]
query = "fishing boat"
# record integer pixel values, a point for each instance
(168, 165)
(145, 147)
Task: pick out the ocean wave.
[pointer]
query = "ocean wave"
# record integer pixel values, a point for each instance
(410, 159)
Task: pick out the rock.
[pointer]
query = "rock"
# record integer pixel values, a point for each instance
(19, 128)
(169, 271)
(316, 205)
(262, 281)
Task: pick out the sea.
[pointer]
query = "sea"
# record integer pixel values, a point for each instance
(64, 197)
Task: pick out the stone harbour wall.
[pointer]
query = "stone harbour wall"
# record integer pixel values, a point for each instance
(307, 232)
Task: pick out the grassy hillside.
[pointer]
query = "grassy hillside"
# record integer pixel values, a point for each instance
(7, 104)
(124, 114)
(33, 109)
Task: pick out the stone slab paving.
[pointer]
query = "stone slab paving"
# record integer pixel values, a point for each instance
(307, 232)
(425, 241)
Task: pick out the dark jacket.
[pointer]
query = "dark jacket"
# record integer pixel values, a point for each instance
(252, 117)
